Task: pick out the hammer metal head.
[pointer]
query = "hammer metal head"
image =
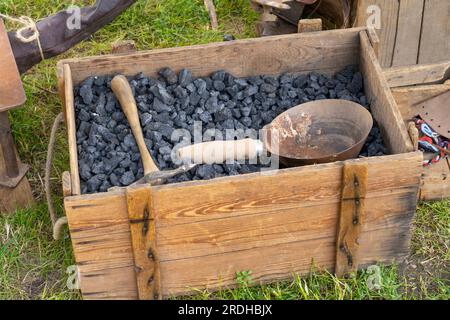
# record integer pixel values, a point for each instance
(160, 177)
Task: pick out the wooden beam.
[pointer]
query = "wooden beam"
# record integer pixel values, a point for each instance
(351, 218)
(417, 75)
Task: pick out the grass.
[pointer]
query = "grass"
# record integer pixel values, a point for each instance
(33, 266)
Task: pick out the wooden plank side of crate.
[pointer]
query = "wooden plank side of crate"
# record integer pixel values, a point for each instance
(261, 223)
(409, 25)
(69, 104)
(435, 40)
(260, 229)
(383, 106)
(101, 240)
(327, 52)
(387, 240)
(100, 229)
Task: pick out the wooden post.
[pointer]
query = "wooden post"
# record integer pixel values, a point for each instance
(15, 191)
(354, 185)
(7, 144)
(143, 239)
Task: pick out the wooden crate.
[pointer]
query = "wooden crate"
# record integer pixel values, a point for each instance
(199, 234)
(411, 31)
(412, 85)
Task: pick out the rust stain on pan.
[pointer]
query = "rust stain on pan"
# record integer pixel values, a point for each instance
(319, 132)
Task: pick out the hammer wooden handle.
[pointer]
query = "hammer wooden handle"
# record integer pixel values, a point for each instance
(221, 151)
(124, 94)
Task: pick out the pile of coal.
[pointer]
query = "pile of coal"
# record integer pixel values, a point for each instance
(107, 151)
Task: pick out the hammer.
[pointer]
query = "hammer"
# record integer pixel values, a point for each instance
(152, 174)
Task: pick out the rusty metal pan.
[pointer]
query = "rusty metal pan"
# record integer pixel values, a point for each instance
(318, 132)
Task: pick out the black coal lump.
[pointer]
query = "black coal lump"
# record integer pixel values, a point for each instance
(169, 75)
(107, 151)
(185, 78)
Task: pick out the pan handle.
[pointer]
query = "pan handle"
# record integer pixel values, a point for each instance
(220, 151)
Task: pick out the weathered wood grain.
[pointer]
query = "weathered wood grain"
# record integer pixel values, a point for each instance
(367, 13)
(409, 25)
(435, 44)
(206, 237)
(194, 202)
(412, 31)
(260, 229)
(328, 53)
(374, 41)
(406, 97)
(386, 239)
(383, 105)
(71, 129)
(101, 239)
(436, 181)
(417, 75)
